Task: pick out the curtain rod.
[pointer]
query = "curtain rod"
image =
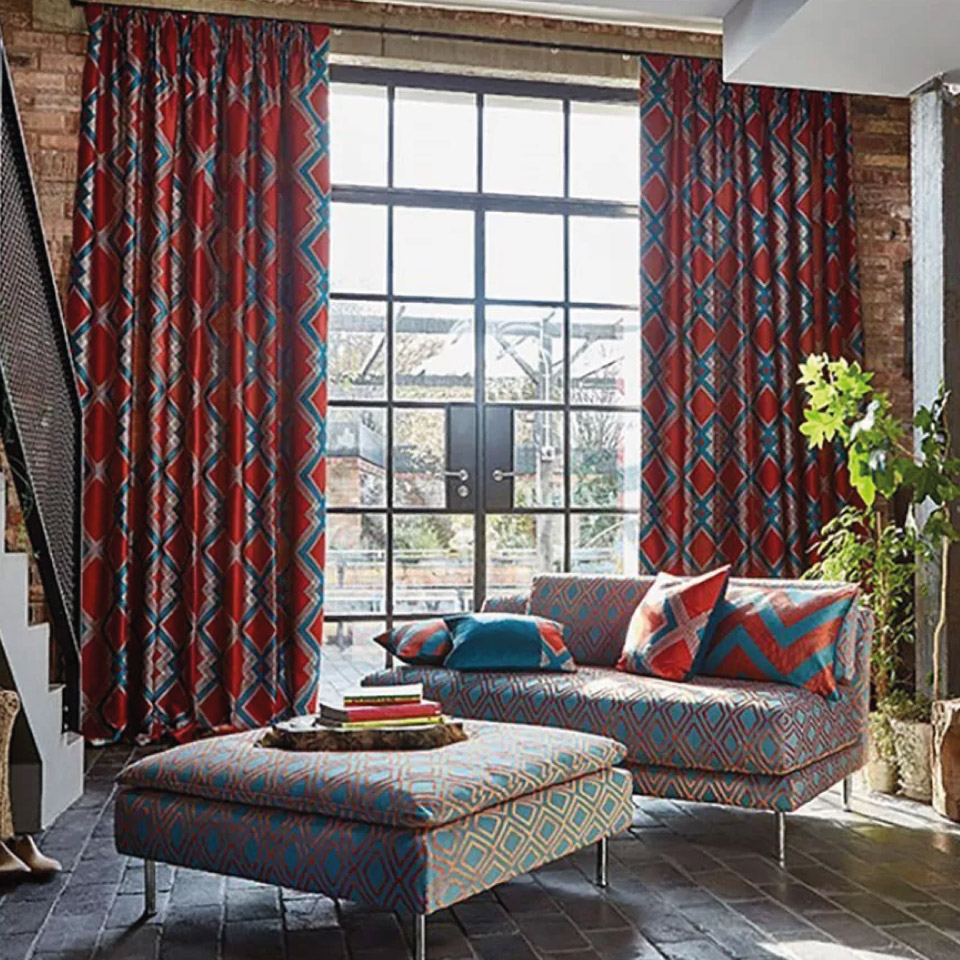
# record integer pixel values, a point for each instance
(309, 13)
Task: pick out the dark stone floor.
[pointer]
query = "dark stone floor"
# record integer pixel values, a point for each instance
(687, 882)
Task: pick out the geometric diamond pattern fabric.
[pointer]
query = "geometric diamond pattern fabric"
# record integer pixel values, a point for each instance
(408, 788)
(595, 610)
(709, 724)
(755, 791)
(749, 261)
(412, 871)
(198, 317)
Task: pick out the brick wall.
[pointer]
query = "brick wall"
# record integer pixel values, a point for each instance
(881, 143)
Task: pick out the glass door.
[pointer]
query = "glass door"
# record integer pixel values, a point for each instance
(483, 351)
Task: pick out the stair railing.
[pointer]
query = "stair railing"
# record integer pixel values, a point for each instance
(40, 417)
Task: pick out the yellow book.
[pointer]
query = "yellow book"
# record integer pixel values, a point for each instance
(373, 724)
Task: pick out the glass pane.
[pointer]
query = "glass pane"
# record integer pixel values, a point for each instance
(605, 459)
(524, 353)
(524, 256)
(356, 457)
(523, 146)
(433, 252)
(605, 151)
(435, 140)
(353, 638)
(358, 248)
(519, 546)
(419, 458)
(604, 260)
(433, 351)
(356, 350)
(356, 568)
(433, 563)
(538, 458)
(358, 124)
(605, 544)
(605, 356)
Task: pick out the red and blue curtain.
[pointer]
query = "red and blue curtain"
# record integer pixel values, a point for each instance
(198, 313)
(749, 265)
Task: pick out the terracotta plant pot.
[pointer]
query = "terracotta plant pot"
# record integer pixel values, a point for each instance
(881, 776)
(914, 746)
(880, 770)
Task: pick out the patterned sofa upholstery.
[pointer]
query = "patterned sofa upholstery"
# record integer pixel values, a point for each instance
(737, 742)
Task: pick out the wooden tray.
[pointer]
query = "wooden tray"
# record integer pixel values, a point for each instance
(304, 734)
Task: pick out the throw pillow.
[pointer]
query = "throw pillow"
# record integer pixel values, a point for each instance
(503, 641)
(780, 634)
(424, 643)
(671, 626)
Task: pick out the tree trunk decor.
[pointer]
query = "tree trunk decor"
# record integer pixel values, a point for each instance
(946, 758)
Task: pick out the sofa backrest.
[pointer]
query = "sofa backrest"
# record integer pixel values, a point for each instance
(597, 612)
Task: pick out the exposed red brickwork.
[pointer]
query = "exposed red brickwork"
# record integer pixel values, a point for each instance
(881, 143)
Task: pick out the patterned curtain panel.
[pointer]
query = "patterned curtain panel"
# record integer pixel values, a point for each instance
(748, 265)
(198, 311)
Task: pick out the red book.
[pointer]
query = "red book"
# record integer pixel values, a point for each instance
(386, 711)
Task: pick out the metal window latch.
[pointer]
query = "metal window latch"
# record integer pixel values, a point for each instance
(500, 475)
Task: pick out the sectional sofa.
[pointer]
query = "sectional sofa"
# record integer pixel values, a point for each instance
(765, 746)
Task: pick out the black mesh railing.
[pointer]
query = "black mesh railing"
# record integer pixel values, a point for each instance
(39, 406)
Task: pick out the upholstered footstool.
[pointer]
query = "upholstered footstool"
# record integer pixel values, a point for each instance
(411, 831)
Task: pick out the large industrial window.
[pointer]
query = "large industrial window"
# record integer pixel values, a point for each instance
(484, 354)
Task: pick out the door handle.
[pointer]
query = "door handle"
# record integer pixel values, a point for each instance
(500, 475)
(462, 475)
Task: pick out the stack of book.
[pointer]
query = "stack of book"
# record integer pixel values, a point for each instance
(365, 708)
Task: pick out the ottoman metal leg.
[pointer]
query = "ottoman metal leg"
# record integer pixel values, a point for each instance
(149, 888)
(781, 837)
(847, 792)
(602, 854)
(419, 937)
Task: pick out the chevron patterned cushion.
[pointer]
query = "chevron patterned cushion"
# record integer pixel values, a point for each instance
(671, 624)
(508, 641)
(425, 642)
(784, 635)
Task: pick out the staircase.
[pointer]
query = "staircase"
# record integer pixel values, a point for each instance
(46, 762)
(40, 430)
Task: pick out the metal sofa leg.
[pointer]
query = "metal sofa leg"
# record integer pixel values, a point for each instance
(847, 792)
(419, 937)
(602, 862)
(149, 888)
(781, 837)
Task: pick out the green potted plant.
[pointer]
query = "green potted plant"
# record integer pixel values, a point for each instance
(885, 460)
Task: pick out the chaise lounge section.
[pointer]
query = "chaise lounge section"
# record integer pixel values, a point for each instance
(766, 746)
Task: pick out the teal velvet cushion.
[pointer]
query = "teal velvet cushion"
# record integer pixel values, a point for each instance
(507, 641)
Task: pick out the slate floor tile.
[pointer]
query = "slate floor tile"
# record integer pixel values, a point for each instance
(687, 882)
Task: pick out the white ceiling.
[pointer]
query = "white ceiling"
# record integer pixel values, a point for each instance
(858, 46)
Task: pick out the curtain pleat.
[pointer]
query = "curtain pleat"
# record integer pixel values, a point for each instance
(749, 265)
(198, 315)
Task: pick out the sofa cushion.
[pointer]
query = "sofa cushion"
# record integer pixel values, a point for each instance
(595, 610)
(707, 724)
(507, 641)
(415, 788)
(424, 642)
(784, 634)
(671, 626)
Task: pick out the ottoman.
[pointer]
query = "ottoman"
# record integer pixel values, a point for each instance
(410, 831)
